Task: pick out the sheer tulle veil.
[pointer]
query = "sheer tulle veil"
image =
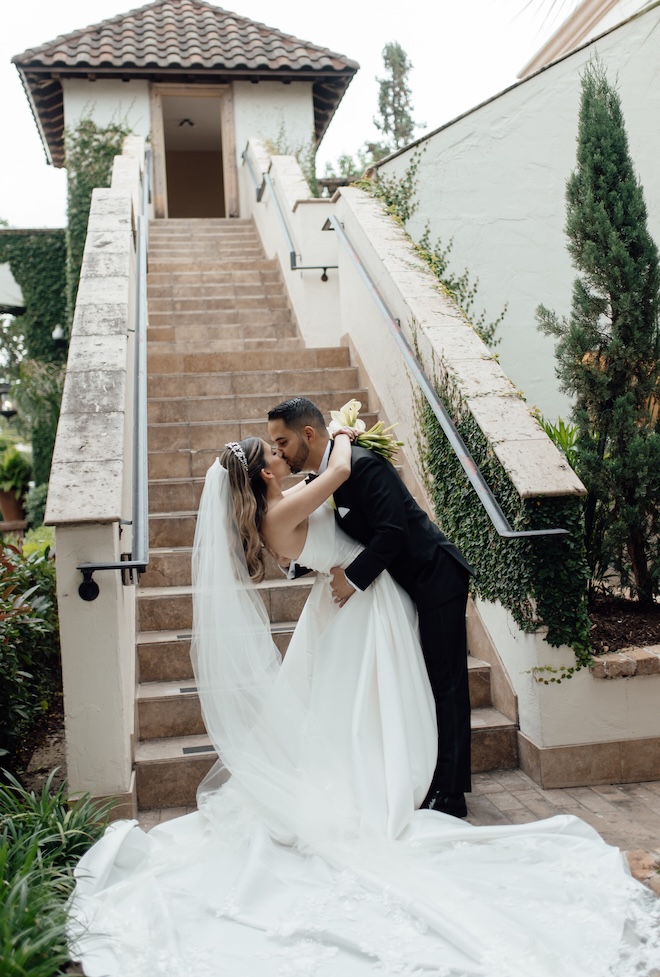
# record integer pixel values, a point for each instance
(257, 721)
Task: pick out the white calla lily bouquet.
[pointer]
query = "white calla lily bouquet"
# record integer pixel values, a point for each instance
(377, 438)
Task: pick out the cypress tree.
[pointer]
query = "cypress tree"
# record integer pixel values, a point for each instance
(609, 348)
(395, 119)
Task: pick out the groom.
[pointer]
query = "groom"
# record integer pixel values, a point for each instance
(376, 509)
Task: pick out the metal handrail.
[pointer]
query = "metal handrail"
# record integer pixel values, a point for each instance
(470, 467)
(138, 559)
(267, 182)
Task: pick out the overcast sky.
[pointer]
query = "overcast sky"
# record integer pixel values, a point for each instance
(463, 51)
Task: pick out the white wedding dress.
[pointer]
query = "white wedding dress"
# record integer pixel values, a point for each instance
(310, 859)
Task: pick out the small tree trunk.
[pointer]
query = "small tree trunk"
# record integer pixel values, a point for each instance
(640, 569)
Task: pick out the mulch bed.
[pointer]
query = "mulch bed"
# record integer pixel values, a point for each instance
(619, 623)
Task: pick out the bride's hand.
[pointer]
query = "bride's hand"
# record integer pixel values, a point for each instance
(350, 432)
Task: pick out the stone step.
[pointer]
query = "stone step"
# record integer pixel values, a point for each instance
(181, 348)
(170, 567)
(187, 305)
(204, 435)
(273, 382)
(182, 462)
(209, 250)
(209, 265)
(247, 277)
(231, 315)
(160, 223)
(172, 529)
(171, 707)
(170, 410)
(170, 608)
(165, 362)
(204, 335)
(169, 769)
(164, 656)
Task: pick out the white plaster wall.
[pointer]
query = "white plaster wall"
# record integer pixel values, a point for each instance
(270, 110)
(581, 709)
(315, 303)
(619, 12)
(494, 182)
(108, 101)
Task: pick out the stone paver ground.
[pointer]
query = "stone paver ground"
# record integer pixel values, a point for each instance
(625, 815)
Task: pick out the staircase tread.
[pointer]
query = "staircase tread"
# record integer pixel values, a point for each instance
(156, 637)
(366, 417)
(171, 747)
(243, 396)
(186, 589)
(186, 686)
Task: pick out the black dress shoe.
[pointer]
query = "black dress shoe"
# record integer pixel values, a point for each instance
(453, 804)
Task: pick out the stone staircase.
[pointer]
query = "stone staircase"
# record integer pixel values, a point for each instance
(222, 349)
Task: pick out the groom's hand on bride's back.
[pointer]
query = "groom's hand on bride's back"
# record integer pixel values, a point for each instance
(341, 588)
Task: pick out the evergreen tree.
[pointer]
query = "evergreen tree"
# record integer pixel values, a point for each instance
(609, 348)
(395, 120)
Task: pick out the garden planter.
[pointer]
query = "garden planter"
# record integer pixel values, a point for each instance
(11, 507)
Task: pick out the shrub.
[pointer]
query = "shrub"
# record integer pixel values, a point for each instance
(35, 506)
(15, 472)
(29, 642)
(42, 836)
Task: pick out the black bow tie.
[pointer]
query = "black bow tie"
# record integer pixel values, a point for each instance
(310, 478)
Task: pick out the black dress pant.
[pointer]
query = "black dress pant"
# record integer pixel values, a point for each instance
(444, 645)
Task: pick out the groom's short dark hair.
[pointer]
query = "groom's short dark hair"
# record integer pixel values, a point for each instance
(297, 413)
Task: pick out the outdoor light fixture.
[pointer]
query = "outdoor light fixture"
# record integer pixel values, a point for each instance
(7, 408)
(57, 333)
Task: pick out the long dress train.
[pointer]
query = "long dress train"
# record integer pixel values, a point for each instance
(307, 856)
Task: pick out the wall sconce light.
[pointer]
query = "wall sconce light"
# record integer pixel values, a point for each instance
(7, 408)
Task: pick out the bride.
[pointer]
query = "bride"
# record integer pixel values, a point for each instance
(307, 855)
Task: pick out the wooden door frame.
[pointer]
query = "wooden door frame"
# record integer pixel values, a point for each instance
(227, 135)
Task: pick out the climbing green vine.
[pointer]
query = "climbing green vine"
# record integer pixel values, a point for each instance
(541, 581)
(90, 152)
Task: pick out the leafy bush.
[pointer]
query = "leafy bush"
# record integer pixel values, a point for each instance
(39, 540)
(29, 642)
(15, 472)
(34, 504)
(42, 836)
(90, 153)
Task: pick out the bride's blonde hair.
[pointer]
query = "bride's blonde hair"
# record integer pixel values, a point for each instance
(244, 461)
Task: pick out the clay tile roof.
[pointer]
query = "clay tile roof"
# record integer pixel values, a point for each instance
(166, 38)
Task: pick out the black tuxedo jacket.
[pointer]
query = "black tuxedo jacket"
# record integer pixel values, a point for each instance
(397, 534)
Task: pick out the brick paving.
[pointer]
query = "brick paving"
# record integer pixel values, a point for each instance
(625, 815)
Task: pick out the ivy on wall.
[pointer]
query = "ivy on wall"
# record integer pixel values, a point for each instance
(37, 261)
(90, 152)
(541, 581)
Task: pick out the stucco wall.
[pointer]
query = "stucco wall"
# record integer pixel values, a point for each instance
(494, 182)
(107, 101)
(619, 12)
(270, 110)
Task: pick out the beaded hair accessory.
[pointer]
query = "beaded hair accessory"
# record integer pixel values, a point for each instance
(236, 449)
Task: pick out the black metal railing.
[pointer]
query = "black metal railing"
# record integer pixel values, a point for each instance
(470, 467)
(134, 563)
(267, 183)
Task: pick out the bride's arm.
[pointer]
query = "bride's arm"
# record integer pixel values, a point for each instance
(296, 506)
